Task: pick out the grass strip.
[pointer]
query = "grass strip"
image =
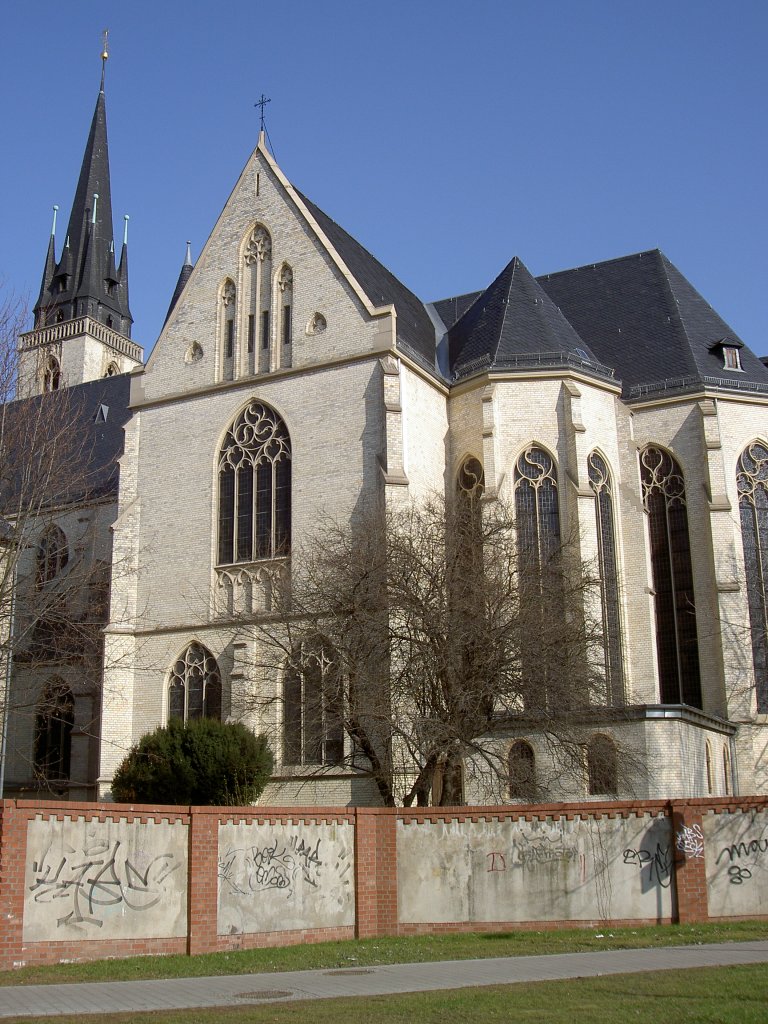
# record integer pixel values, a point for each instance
(375, 952)
(705, 995)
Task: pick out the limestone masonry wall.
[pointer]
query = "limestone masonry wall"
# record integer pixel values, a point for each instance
(87, 881)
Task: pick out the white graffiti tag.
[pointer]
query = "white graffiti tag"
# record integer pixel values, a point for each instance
(690, 841)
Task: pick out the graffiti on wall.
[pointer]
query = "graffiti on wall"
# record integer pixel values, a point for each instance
(276, 877)
(81, 884)
(105, 880)
(281, 865)
(690, 841)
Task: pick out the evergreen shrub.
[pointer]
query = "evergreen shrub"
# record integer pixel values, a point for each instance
(203, 762)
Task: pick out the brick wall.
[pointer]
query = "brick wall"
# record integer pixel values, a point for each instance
(88, 881)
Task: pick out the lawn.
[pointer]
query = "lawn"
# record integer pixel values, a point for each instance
(372, 952)
(723, 995)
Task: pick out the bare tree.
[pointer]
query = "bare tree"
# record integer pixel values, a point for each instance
(429, 635)
(53, 590)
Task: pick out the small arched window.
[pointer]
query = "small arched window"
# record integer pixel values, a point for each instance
(313, 702)
(112, 370)
(602, 485)
(602, 766)
(54, 719)
(194, 685)
(285, 290)
(752, 481)
(710, 774)
(676, 638)
(255, 488)
(51, 374)
(227, 303)
(522, 771)
(727, 776)
(52, 555)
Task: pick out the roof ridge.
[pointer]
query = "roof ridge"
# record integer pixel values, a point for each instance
(603, 263)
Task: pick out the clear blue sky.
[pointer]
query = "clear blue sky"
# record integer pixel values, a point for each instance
(446, 136)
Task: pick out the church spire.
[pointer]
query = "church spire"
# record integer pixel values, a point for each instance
(89, 285)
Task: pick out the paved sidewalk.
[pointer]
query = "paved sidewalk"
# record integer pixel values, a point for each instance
(242, 989)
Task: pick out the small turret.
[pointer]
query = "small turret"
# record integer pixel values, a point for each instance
(184, 274)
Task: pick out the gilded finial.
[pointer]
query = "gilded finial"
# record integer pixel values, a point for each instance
(104, 55)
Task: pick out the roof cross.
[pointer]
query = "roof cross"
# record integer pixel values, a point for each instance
(262, 103)
(104, 55)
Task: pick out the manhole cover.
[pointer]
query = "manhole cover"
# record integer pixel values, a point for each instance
(264, 993)
(350, 970)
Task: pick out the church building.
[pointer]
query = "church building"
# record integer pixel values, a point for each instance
(296, 379)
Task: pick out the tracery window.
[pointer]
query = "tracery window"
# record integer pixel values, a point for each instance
(52, 555)
(255, 487)
(537, 529)
(194, 685)
(601, 483)
(313, 725)
(752, 482)
(602, 766)
(537, 514)
(522, 771)
(51, 374)
(54, 719)
(676, 638)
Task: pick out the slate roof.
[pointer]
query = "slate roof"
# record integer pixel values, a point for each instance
(414, 325)
(639, 315)
(515, 323)
(95, 413)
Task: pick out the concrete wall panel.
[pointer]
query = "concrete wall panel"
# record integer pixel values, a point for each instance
(285, 876)
(108, 879)
(506, 870)
(735, 848)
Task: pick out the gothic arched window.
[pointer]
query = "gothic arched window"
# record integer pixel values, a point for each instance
(537, 514)
(257, 257)
(601, 483)
(752, 481)
(285, 287)
(51, 374)
(194, 685)
(676, 639)
(54, 719)
(227, 303)
(313, 723)
(602, 766)
(52, 555)
(522, 771)
(255, 487)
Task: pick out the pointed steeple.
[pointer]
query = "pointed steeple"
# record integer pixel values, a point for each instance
(89, 284)
(184, 273)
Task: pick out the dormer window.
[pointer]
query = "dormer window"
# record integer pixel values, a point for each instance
(731, 358)
(728, 348)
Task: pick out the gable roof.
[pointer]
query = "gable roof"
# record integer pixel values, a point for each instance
(639, 315)
(515, 323)
(414, 325)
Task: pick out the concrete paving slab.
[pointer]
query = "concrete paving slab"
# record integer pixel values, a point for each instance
(241, 989)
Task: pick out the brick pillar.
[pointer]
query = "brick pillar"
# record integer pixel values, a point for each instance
(690, 873)
(375, 871)
(202, 893)
(13, 848)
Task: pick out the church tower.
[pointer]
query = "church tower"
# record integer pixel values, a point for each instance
(82, 325)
